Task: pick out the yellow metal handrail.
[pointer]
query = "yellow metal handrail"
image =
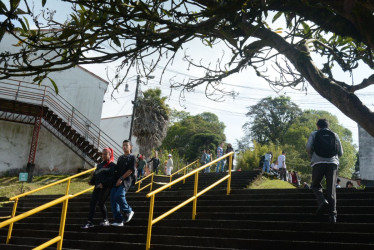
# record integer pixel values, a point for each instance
(64, 199)
(195, 172)
(184, 170)
(149, 184)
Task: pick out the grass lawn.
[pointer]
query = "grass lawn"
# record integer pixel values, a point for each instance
(267, 183)
(10, 186)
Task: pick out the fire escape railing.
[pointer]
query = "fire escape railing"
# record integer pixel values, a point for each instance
(29, 93)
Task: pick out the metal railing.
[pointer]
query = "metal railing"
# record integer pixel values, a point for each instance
(64, 199)
(150, 184)
(184, 169)
(27, 92)
(152, 221)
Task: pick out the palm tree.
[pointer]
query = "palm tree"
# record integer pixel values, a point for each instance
(151, 120)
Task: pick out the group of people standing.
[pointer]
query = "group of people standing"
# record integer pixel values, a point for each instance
(207, 157)
(278, 167)
(144, 168)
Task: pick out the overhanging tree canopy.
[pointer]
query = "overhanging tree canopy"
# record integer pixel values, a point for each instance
(340, 31)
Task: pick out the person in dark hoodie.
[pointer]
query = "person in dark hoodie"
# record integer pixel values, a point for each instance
(101, 192)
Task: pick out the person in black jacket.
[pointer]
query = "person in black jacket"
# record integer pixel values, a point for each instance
(228, 150)
(155, 162)
(101, 192)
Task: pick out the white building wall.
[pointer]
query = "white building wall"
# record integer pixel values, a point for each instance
(83, 90)
(118, 128)
(52, 156)
(366, 154)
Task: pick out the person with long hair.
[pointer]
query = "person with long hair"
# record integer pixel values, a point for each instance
(101, 192)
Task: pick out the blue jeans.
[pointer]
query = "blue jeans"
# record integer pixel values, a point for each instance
(119, 203)
(222, 163)
(266, 167)
(140, 173)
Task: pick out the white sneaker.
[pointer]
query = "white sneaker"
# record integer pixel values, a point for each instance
(105, 223)
(129, 216)
(87, 225)
(117, 224)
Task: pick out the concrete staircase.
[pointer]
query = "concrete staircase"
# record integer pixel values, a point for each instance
(245, 219)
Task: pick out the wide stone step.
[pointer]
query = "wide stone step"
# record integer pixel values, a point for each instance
(199, 236)
(218, 207)
(117, 234)
(139, 225)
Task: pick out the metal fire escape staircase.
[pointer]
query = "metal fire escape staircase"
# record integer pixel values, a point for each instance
(27, 103)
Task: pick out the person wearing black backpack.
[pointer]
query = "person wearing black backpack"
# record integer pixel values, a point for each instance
(324, 149)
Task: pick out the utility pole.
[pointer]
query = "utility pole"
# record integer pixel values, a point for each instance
(134, 103)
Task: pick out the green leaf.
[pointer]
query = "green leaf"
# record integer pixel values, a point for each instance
(276, 16)
(67, 33)
(14, 4)
(54, 84)
(166, 12)
(306, 28)
(116, 41)
(3, 7)
(23, 25)
(27, 22)
(208, 42)
(44, 2)
(2, 32)
(37, 78)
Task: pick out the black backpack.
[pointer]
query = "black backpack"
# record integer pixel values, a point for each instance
(325, 143)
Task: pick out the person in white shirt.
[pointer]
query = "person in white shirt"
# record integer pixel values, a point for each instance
(169, 165)
(282, 166)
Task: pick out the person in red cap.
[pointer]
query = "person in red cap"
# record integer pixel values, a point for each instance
(101, 192)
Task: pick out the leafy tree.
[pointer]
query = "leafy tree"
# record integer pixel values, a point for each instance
(151, 120)
(270, 118)
(250, 158)
(339, 33)
(177, 116)
(193, 133)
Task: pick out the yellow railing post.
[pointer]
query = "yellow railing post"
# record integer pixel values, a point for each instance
(184, 173)
(152, 181)
(150, 222)
(195, 195)
(11, 225)
(229, 179)
(63, 216)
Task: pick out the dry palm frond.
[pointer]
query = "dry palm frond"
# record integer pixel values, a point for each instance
(150, 123)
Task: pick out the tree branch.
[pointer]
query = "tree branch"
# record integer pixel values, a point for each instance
(365, 83)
